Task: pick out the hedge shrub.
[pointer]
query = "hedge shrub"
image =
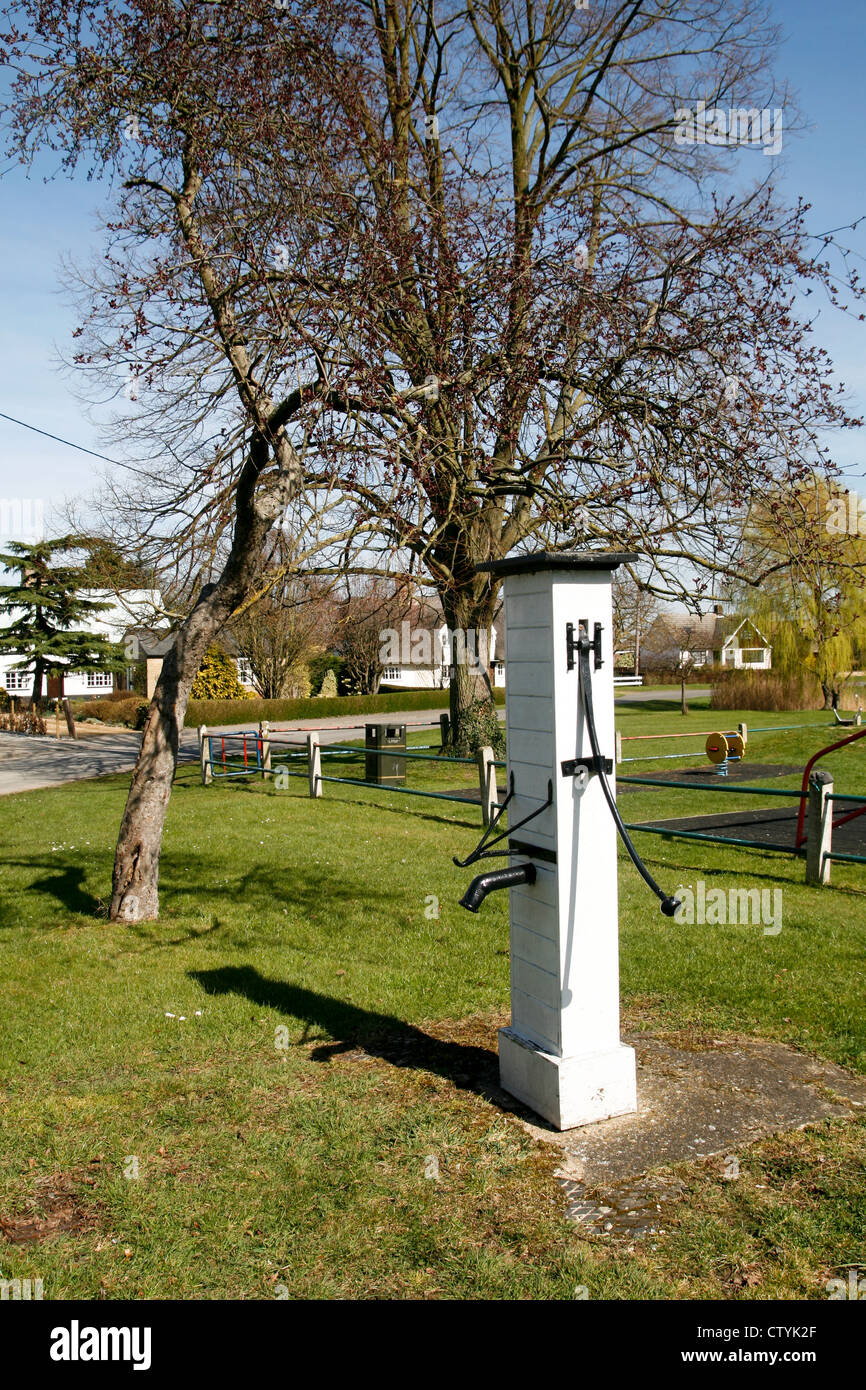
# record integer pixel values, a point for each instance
(249, 712)
(130, 711)
(217, 678)
(765, 690)
(328, 688)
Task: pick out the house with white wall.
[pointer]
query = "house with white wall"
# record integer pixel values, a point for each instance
(419, 657)
(746, 647)
(124, 611)
(150, 646)
(677, 639)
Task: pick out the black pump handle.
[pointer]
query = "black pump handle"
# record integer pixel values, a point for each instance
(669, 904)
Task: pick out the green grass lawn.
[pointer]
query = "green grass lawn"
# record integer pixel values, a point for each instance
(284, 1053)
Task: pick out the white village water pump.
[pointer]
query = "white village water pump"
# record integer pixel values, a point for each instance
(562, 1055)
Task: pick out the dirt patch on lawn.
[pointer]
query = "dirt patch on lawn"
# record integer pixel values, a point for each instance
(60, 1204)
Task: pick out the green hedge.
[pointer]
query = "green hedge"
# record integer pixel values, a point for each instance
(130, 710)
(249, 712)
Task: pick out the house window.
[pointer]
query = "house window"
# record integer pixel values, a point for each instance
(391, 673)
(752, 656)
(499, 668)
(19, 680)
(99, 680)
(245, 670)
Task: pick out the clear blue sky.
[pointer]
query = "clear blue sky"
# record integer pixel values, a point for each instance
(824, 58)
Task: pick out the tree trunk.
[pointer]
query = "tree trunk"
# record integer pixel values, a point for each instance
(135, 886)
(474, 722)
(36, 695)
(684, 708)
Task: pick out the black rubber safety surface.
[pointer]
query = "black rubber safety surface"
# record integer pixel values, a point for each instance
(750, 773)
(771, 825)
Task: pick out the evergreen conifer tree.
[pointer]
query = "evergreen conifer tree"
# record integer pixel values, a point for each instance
(46, 605)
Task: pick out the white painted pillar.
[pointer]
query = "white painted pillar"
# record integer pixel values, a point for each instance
(487, 784)
(819, 827)
(562, 1054)
(265, 739)
(314, 754)
(204, 754)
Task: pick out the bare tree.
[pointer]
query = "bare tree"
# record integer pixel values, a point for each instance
(191, 108)
(692, 653)
(442, 282)
(679, 643)
(293, 620)
(634, 612)
(365, 616)
(567, 328)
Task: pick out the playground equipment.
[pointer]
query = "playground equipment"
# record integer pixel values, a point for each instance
(807, 831)
(849, 723)
(231, 755)
(742, 730)
(562, 1055)
(722, 749)
(808, 777)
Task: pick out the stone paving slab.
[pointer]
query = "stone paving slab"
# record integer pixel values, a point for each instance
(692, 1103)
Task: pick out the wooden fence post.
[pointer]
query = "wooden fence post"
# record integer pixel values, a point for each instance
(265, 739)
(819, 827)
(487, 783)
(70, 722)
(314, 753)
(618, 746)
(204, 754)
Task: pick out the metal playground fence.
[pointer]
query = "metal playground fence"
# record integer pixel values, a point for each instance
(251, 752)
(810, 825)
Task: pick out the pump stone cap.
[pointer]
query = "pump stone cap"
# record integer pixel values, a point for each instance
(559, 560)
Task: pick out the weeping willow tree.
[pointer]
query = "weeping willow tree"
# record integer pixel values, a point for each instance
(811, 602)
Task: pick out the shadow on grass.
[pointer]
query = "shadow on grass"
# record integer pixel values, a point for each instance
(417, 813)
(312, 889)
(381, 1035)
(67, 887)
(750, 862)
(256, 787)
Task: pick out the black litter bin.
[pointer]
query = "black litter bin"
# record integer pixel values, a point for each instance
(383, 764)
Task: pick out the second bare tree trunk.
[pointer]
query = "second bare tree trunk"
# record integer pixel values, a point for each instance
(135, 885)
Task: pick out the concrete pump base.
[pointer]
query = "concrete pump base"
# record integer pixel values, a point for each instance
(568, 1091)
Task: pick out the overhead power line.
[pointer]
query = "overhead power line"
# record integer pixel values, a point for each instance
(68, 442)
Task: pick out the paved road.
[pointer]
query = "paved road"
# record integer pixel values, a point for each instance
(29, 763)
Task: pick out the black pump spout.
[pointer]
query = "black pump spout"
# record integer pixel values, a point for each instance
(496, 878)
